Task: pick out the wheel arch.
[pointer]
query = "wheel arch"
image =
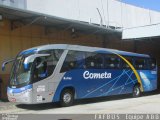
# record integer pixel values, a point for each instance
(137, 84)
(69, 88)
(137, 94)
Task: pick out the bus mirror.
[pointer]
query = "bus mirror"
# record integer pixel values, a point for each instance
(5, 63)
(3, 67)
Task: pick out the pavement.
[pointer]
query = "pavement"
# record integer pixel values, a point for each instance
(115, 104)
(5, 105)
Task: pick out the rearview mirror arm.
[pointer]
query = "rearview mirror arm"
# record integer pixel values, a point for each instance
(6, 62)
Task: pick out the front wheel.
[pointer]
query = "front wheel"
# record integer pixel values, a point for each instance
(136, 91)
(67, 98)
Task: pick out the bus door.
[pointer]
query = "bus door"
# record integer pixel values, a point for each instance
(38, 73)
(42, 75)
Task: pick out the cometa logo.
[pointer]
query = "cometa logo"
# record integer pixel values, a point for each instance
(88, 75)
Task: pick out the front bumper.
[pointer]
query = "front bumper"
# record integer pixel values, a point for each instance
(20, 96)
(23, 97)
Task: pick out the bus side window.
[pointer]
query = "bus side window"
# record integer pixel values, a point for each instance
(152, 63)
(112, 62)
(140, 63)
(99, 61)
(80, 58)
(124, 64)
(44, 66)
(94, 61)
(40, 69)
(69, 62)
(90, 62)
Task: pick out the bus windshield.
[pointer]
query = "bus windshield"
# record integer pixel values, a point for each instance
(33, 67)
(20, 73)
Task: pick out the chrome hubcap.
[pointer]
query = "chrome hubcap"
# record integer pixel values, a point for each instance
(136, 91)
(67, 97)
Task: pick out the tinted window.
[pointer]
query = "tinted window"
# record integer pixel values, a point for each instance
(73, 60)
(140, 63)
(94, 61)
(90, 60)
(124, 64)
(152, 63)
(112, 61)
(82, 60)
(70, 62)
(99, 61)
(45, 65)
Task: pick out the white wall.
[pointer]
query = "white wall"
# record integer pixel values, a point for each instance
(14, 3)
(113, 12)
(141, 32)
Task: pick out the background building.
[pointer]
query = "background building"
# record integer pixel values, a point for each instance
(28, 23)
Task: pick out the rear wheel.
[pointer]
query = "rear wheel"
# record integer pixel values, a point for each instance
(67, 98)
(136, 91)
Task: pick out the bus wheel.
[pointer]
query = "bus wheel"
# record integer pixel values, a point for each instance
(67, 98)
(136, 91)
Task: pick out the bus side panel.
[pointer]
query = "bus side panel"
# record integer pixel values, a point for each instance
(120, 82)
(149, 79)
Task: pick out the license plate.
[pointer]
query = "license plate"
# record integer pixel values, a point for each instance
(13, 100)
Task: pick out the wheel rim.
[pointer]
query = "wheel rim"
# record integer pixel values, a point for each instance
(67, 97)
(136, 91)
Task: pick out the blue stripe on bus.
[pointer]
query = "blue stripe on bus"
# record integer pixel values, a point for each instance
(28, 51)
(19, 90)
(88, 88)
(122, 82)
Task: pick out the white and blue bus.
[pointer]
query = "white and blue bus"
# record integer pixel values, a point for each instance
(63, 73)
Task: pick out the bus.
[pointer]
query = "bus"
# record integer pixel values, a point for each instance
(62, 73)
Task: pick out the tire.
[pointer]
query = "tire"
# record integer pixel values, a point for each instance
(136, 91)
(67, 98)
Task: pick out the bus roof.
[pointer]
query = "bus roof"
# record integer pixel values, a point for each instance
(87, 49)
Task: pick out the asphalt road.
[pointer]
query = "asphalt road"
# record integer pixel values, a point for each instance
(115, 104)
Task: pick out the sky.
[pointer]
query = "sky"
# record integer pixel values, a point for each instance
(148, 4)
